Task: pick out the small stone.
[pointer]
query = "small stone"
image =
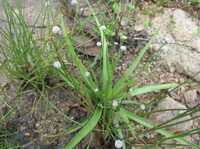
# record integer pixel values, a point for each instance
(22, 128)
(190, 98)
(51, 111)
(27, 134)
(37, 125)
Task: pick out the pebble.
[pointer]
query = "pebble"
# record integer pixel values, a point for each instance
(190, 98)
(37, 125)
(27, 134)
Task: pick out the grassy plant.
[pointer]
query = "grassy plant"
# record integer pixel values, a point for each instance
(23, 58)
(105, 100)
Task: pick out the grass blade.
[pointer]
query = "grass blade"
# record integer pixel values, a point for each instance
(106, 71)
(135, 62)
(88, 128)
(151, 88)
(148, 124)
(71, 130)
(81, 67)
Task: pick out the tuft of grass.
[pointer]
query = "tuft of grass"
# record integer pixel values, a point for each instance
(23, 58)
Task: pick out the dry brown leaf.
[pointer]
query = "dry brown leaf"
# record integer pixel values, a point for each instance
(85, 45)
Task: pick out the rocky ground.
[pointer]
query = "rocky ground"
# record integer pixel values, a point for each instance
(177, 62)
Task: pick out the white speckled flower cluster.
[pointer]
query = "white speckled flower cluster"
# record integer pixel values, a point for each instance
(74, 2)
(56, 29)
(118, 144)
(87, 74)
(57, 64)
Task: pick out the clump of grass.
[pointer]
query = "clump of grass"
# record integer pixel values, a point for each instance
(105, 101)
(23, 58)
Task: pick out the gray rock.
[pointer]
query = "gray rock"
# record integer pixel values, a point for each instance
(190, 98)
(182, 47)
(32, 9)
(161, 117)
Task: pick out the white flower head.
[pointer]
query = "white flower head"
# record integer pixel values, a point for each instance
(118, 144)
(87, 74)
(96, 90)
(167, 40)
(56, 29)
(165, 49)
(130, 89)
(124, 37)
(123, 48)
(142, 107)
(116, 43)
(115, 103)
(74, 2)
(98, 44)
(103, 27)
(47, 3)
(57, 64)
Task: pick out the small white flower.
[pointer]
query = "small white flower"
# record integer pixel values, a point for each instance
(96, 90)
(74, 2)
(116, 43)
(57, 64)
(167, 40)
(131, 89)
(87, 74)
(56, 29)
(47, 3)
(124, 37)
(123, 48)
(165, 49)
(98, 44)
(103, 27)
(114, 103)
(142, 107)
(118, 144)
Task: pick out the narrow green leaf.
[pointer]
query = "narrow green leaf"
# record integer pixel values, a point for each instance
(106, 71)
(126, 120)
(151, 88)
(119, 131)
(135, 62)
(71, 130)
(77, 61)
(86, 129)
(148, 124)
